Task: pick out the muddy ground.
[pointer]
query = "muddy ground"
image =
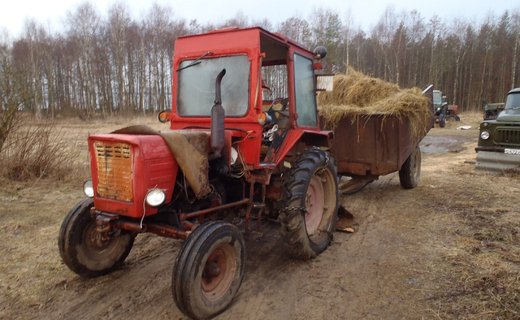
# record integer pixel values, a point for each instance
(449, 248)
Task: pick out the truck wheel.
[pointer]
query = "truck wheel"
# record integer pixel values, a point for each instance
(208, 270)
(410, 172)
(311, 204)
(79, 249)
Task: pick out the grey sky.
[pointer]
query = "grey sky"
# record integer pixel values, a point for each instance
(365, 13)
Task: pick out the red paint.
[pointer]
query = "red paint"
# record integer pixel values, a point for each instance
(153, 166)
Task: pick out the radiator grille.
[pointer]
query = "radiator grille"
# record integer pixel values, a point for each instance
(114, 166)
(507, 136)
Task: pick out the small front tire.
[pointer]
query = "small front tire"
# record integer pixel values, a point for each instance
(80, 250)
(208, 270)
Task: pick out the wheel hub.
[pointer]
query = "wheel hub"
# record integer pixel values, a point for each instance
(314, 205)
(218, 272)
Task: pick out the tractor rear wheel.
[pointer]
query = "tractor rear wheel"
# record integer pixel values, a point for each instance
(81, 249)
(311, 204)
(208, 270)
(410, 172)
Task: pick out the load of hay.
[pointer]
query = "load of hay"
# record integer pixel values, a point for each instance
(356, 95)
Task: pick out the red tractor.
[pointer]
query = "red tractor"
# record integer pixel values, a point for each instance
(236, 148)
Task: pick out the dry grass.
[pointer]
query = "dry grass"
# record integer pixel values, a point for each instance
(36, 152)
(356, 95)
(481, 275)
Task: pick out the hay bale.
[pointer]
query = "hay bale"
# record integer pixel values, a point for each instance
(356, 95)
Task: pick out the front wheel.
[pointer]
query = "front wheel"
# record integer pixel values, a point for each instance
(410, 172)
(208, 270)
(311, 204)
(82, 250)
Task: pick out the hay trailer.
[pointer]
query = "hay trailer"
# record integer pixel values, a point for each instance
(375, 145)
(229, 156)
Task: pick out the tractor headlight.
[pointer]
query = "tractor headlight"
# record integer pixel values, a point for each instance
(88, 188)
(155, 197)
(484, 135)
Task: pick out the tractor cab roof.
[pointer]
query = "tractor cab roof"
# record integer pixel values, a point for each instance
(234, 40)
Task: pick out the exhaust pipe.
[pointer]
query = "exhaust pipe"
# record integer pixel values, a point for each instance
(217, 119)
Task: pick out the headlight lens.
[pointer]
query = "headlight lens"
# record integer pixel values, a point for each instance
(484, 135)
(88, 188)
(155, 197)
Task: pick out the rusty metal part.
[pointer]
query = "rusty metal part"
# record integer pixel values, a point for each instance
(356, 184)
(108, 224)
(104, 228)
(260, 206)
(114, 168)
(251, 204)
(160, 230)
(375, 145)
(200, 213)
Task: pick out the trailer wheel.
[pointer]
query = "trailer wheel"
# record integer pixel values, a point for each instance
(410, 172)
(80, 250)
(311, 204)
(208, 270)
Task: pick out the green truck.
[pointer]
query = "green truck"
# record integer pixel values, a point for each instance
(491, 110)
(499, 139)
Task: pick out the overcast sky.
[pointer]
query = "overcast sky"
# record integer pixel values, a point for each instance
(365, 13)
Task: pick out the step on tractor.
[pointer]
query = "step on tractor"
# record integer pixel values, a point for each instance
(244, 144)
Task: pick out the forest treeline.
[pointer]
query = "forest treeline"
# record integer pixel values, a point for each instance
(120, 64)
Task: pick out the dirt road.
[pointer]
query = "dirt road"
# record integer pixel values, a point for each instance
(414, 253)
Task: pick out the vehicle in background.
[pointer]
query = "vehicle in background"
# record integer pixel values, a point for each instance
(491, 110)
(499, 139)
(442, 110)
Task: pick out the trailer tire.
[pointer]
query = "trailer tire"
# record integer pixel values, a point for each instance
(208, 270)
(79, 250)
(311, 204)
(410, 172)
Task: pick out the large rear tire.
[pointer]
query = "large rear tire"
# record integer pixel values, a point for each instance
(311, 204)
(82, 252)
(410, 172)
(208, 270)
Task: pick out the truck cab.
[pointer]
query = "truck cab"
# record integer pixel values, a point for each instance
(499, 140)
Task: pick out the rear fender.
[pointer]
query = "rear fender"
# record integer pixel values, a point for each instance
(301, 139)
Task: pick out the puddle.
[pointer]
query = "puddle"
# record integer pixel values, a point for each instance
(436, 144)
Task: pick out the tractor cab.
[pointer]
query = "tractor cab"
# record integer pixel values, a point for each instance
(268, 94)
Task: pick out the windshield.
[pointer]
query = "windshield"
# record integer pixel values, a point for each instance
(513, 101)
(437, 98)
(196, 86)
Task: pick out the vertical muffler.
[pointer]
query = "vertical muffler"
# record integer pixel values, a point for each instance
(217, 119)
